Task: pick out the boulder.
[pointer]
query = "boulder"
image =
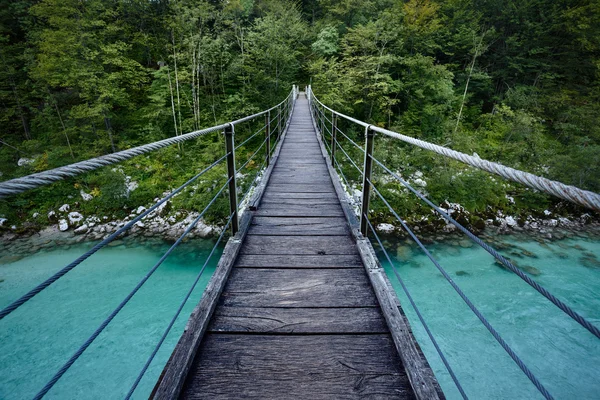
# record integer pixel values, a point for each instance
(63, 225)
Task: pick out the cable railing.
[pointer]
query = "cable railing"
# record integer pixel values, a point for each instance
(282, 114)
(328, 129)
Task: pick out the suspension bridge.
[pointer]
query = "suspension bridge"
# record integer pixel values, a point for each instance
(299, 304)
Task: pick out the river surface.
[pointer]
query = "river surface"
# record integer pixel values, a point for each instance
(37, 339)
(564, 356)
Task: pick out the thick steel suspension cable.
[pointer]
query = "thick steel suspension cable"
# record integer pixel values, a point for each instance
(181, 305)
(23, 184)
(23, 299)
(467, 301)
(418, 312)
(539, 288)
(124, 302)
(579, 196)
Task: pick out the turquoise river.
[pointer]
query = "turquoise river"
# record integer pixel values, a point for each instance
(38, 338)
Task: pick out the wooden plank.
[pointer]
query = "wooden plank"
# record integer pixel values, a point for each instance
(298, 320)
(255, 287)
(280, 179)
(320, 386)
(298, 226)
(312, 367)
(298, 261)
(301, 354)
(300, 188)
(316, 245)
(301, 210)
(277, 196)
(294, 201)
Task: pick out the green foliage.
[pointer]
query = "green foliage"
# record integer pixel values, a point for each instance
(83, 79)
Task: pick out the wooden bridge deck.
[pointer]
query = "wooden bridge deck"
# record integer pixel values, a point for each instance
(297, 316)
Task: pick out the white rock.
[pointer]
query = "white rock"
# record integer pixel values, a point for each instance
(63, 225)
(75, 217)
(64, 208)
(85, 196)
(14, 227)
(140, 224)
(547, 213)
(51, 214)
(81, 229)
(140, 210)
(35, 215)
(385, 228)
(104, 218)
(2, 221)
(25, 161)
(420, 182)
(510, 221)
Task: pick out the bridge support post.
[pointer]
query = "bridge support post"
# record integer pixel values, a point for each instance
(367, 173)
(233, 203)
(278, 122)
(333, 137)
(268, 138)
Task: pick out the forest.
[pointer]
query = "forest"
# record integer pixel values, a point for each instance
(516, 82)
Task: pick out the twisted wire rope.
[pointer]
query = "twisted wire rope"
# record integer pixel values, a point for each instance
(181, 305)
(579, 196)
(539, 288)
(19, 185)
(467, 301)
(124, 302)
(23, 299)
(418, 312)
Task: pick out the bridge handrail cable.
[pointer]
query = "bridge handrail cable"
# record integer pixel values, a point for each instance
(283, 115)
(582, 197)
(567, 192)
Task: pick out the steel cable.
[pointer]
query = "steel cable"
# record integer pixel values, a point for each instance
(418, 312)
(464, 297)
(23, 299)
(579, 196)
(124, 302)
(181, 305)
(542, 290)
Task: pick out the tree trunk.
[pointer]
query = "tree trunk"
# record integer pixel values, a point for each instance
(110, 133)
(64, 128)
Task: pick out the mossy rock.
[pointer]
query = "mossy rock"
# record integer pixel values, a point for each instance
(531, 270)
(590, 262)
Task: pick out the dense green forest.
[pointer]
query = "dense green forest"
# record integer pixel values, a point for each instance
(514, 81)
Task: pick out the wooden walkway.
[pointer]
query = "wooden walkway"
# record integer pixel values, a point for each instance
(297, 316)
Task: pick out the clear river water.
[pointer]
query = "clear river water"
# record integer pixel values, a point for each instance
(37, 339)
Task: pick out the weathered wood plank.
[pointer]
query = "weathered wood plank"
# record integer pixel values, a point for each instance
(300, 210)
(299, 245)
(298, 261)
(312, 367)
(281, 179)
(248, 287)
(318, 386)
(298, 354)
(298, 226)
(276, 196)
(300, 188)
(298, 320)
